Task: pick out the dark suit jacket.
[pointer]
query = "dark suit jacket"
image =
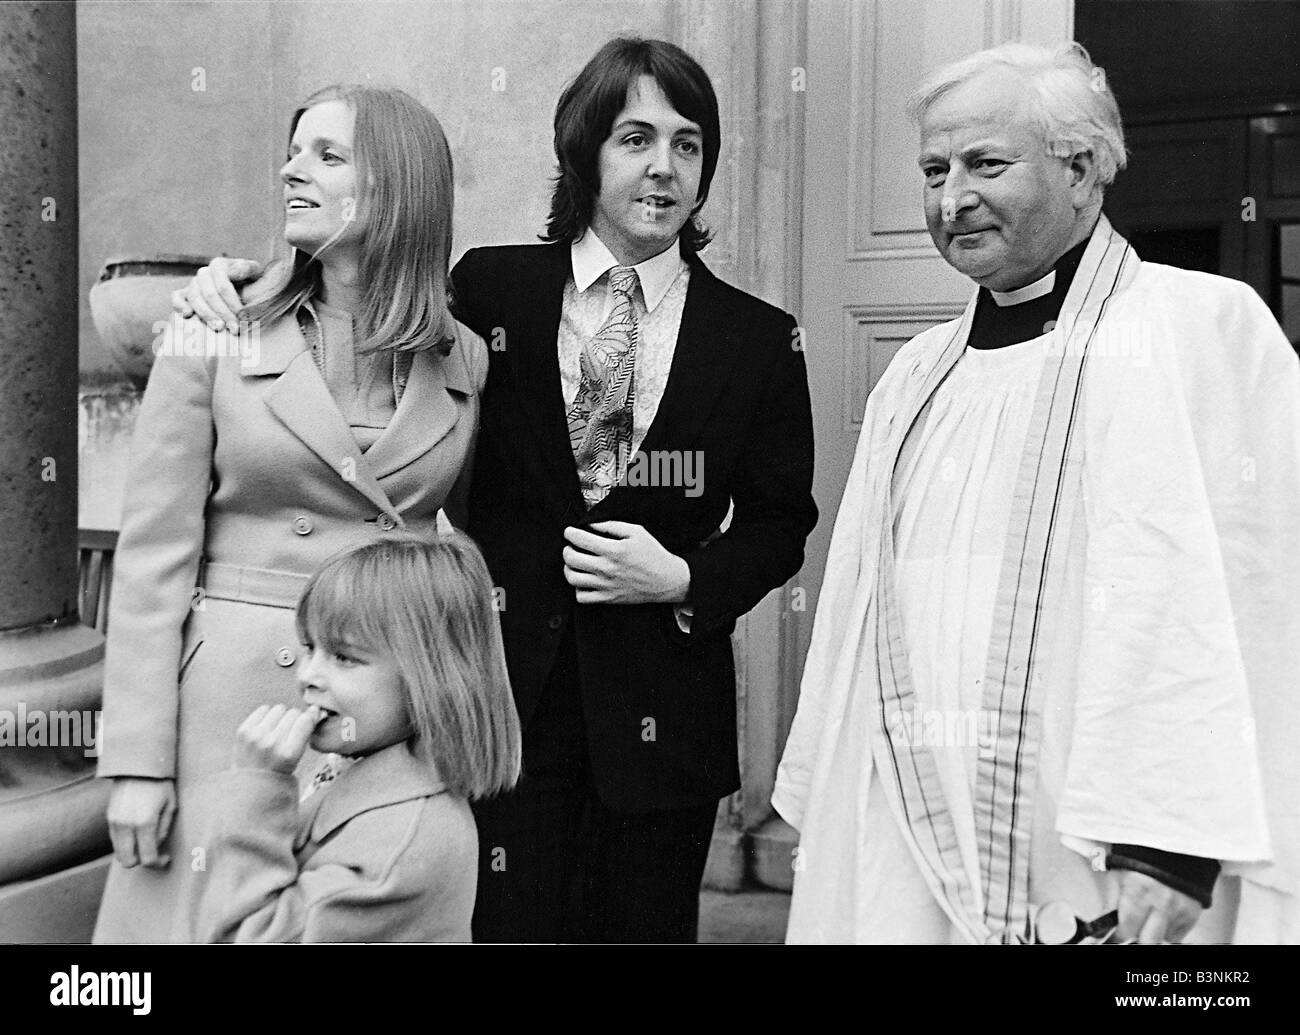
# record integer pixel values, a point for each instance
(659, 704)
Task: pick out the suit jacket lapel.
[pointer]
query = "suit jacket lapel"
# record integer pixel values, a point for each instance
(303, 404)
(709, 343)
(535, 366)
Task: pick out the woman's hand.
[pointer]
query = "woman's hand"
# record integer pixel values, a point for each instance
(274, 738)
(140, 813)
(211, 295)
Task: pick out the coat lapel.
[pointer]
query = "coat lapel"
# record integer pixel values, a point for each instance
(387, 777)
(428, 411)
(303, 404)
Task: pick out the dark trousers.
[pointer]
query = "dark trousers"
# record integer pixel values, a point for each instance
(557, 865)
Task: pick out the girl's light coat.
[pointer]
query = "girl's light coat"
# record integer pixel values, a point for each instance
(384, 853)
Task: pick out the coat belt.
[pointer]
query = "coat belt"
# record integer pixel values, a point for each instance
(251, 585)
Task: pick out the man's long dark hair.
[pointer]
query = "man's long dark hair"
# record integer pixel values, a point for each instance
(585, 115)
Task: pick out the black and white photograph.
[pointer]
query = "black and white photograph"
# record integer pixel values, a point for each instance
(674, 472)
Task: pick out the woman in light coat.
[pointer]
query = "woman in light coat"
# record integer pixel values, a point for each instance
(344, 407)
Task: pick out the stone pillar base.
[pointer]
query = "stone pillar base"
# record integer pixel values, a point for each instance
(51, 806)
(59, 908)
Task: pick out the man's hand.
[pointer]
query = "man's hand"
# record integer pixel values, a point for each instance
(274, 738)
(623, 565)
(211, 295)
(140, 813)
(1152, 913)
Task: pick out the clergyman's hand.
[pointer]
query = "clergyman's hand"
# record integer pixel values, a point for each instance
(624, 564)
(1152, 913)
(211, 295)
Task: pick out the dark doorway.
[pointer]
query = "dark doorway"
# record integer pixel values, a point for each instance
(1210, 94)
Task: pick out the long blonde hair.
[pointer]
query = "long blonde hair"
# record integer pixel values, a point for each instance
(404, 178)
(428, 604)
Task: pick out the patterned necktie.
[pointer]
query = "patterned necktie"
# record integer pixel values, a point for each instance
(600, 420)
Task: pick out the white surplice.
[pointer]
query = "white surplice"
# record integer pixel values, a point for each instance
(1170, 710)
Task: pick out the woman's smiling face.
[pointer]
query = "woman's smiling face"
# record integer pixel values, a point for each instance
(322, 207)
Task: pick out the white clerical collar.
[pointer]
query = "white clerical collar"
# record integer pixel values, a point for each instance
(591, 259)
(1039, 288)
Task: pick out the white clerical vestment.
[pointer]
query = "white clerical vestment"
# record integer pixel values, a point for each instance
(1061, 611)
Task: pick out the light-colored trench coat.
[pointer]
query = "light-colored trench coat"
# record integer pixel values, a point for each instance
(246, 464)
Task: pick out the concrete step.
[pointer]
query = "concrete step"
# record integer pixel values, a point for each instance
(752, 916)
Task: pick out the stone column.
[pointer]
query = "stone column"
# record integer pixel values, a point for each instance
(51, 809)
(38, 314)
(754, 51)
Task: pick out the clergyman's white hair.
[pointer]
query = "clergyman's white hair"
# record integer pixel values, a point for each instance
(1070, 99)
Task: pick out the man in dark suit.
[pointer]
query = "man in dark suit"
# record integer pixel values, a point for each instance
(632, 400)
(620, 596)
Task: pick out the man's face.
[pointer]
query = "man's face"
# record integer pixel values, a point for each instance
(999, 208)
(649, 168)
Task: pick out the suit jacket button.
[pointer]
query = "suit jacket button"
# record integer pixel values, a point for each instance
(302, 525)
(555, 621)
(285, 657)
(386, 522)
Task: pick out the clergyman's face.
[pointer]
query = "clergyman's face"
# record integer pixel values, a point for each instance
(650, 167)
(999, 208)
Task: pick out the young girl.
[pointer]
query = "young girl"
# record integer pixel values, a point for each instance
(404, 686)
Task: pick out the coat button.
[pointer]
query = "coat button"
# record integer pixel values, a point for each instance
(302, 525)
(555, 621)
(386, 522)
(285, 657)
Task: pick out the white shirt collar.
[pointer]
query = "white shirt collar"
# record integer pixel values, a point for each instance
(591, 259)
(1042, 286)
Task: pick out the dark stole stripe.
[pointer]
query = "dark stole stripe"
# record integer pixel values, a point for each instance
(1035, 615)
(988, 852)
(1017, 773)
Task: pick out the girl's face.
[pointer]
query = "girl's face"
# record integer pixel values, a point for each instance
(320, 181)
(361, 694)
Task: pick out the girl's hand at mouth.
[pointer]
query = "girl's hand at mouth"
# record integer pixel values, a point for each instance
(274, 737)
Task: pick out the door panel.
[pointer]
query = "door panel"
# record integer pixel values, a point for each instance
(871, 277)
